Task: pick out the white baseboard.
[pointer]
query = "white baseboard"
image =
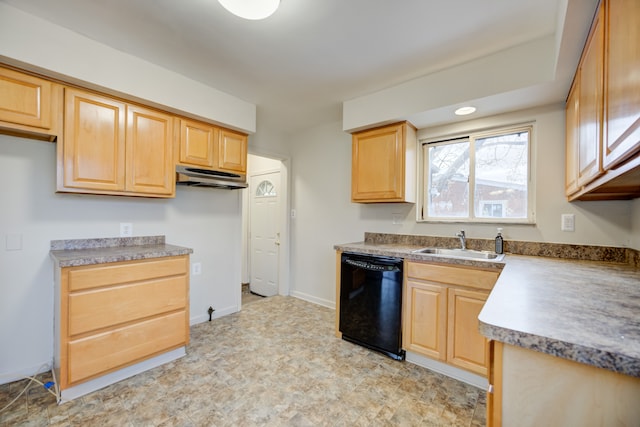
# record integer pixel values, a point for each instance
(30, 371)
(315, 300)
(90, 386)
(448, 370)
(218, 313)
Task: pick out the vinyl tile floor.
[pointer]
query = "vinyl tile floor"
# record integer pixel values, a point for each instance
(276, 362)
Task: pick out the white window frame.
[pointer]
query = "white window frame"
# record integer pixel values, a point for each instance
(421, 209)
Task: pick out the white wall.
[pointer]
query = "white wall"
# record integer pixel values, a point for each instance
(321, 181)
(209, 221)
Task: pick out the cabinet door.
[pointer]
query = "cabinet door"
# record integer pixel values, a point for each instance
(231, 151)
(572, 132)
(622, 91)
(197, 143)
(149, 166)
(425, 321)
(466, 347)
(94, 143)
(377, 172)
(24, 99)
(590, 105)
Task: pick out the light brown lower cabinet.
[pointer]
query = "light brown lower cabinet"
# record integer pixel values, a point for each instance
(530, 388)
(110, 316)
(441, 307)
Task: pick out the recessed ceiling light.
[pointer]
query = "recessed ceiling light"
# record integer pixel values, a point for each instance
(463, 111)
(251, 9)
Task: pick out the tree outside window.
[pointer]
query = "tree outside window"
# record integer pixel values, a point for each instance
(482, 177)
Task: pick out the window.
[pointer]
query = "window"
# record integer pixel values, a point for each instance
(265, 189)
(483, 177)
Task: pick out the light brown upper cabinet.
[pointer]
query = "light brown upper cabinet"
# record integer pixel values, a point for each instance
(29, 106)
(603, 108)
(384, 164)
(572, 135)
(232, 151)
(197, 141)
(622, 106)
(590, 105)
(111, 147)
(207, 146)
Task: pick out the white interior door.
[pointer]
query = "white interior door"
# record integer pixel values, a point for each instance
(264, 233)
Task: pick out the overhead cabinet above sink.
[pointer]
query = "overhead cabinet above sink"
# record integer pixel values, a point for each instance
(383, 166)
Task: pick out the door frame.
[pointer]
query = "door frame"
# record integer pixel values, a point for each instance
(284, 225)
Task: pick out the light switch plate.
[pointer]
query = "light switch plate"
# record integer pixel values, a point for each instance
(126, 229)
(196, 269)
(568, 222)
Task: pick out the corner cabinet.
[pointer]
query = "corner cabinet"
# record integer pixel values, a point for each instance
(112, 147)
(603, 108)
(110, 316)
(383, 166)
(441, 308)
(207, 146)
(29, 106)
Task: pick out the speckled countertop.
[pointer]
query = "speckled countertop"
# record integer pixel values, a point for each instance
(71, 253)
(578, 309)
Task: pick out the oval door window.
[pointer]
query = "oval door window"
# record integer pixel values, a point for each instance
(266, 189)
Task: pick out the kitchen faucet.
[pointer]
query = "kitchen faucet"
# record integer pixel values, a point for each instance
(463, 239)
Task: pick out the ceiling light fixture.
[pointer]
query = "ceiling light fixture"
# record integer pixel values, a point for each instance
(251, 9)
(463, 111)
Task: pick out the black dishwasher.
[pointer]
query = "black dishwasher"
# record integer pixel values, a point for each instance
(371, 302)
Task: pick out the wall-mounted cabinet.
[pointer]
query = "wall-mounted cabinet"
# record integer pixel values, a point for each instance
(603, 108)
(232, 151)
(29, 106)
(211, 147)
(383, 164)
(112, 147)
(441, 308)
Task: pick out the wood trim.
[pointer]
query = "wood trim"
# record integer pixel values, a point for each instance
(494, 396)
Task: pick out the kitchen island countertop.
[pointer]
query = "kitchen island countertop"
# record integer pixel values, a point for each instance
(76, 252)
(586, 311)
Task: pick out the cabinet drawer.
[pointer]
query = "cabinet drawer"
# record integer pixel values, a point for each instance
(470, 277)
(95, 309)
(117, 273)
(124, 346)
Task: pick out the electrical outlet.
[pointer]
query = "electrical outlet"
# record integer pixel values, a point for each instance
(196, 269)
(396, 218)
(568, 222)
(126, 229)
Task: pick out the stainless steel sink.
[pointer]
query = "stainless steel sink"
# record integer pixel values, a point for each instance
(461, 253)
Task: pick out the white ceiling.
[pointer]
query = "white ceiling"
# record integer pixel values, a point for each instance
(300, 64)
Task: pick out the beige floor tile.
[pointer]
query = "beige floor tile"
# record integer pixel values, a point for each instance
(276, 363)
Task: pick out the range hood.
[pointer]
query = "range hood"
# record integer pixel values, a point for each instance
(196, 177)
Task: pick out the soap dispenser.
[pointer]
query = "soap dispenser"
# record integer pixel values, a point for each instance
(499, 242)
